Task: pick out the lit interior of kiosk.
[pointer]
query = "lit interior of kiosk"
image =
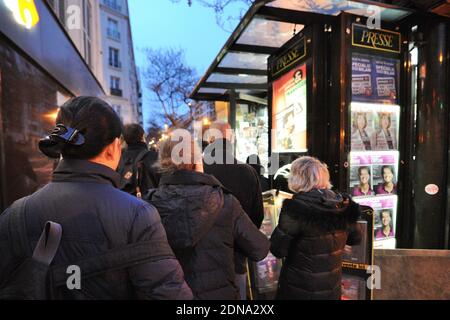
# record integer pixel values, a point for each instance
(368, 109)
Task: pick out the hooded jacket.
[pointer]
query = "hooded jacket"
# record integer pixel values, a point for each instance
(205, 225)
(96, 218)
(313, 229)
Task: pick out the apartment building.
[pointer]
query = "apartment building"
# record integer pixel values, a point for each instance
(101, 31)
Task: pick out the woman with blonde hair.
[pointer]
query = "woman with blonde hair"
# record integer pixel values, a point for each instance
(205, 224)
(314, 227)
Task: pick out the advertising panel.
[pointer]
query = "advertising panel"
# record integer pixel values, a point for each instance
(374, 79)
(289, 112)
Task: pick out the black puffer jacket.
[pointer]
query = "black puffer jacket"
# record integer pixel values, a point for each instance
(97, 218)
(313, 230)
(204, 226)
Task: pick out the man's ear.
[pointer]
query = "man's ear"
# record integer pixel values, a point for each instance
(111, 150)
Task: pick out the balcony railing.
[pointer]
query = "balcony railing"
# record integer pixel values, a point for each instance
(116, 92)
(113, 34)
(113, 5)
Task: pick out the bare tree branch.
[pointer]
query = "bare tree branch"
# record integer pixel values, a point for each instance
(171, 81)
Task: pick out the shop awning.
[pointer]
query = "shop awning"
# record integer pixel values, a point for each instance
(241, 65)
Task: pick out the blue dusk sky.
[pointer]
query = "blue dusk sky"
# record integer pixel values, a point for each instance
(162, 23)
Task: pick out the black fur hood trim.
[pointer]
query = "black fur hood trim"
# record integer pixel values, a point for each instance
(322, 209)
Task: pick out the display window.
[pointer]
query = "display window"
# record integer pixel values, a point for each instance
(29, 103)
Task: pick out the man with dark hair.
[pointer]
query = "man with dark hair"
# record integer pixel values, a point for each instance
(136, 165)
(133, 134)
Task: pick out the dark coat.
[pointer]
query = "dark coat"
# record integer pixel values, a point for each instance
(242, 181)
(95, 218)
(313, 230)
(205, 225)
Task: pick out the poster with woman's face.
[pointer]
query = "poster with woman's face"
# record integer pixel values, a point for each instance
(361, 181)
(386, 225)
(385, 134)
(289, 112)
(361, 130)
(384, 179)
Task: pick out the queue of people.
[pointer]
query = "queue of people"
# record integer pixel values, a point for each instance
(181, 231)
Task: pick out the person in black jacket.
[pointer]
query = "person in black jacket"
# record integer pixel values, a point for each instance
(96, 217)
(313, 229)
(137, 159)
(240, 178)
(205, 225)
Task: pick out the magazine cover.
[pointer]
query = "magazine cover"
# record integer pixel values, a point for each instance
(353, 288)
(385, 229)
(358, 253)
(362, 130)
(361, 183)
(268, 272)
(385, 132)
(385, 179)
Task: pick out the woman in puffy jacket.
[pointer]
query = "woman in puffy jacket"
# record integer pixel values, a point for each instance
(204, 223)
(314, 227)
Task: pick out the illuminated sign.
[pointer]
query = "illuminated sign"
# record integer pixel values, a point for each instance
(289, 58)
(377, 39)
(289, 105)
(24, 11)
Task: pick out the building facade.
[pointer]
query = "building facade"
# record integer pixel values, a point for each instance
(100, 29)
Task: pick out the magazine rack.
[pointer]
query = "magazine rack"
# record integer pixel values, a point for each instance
(357, 264)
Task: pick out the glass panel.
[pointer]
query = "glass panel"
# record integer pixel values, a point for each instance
(268, 33)
(29, 101)
(212, 90)
(365, 10)
(328, 7)
(241, 78)
(252, 134)
(334, 7)
(245, 60)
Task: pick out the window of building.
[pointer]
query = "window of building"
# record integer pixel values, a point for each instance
(87, 18)
(115, 82)
(114, 58)
(62, 11)
(113, 29)
(115, 86)
(113, 4)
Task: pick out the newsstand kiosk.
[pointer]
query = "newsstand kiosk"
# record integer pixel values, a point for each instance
(370, 98)
(335, 93)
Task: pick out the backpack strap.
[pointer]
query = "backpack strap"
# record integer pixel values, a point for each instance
(116, 259)
(48, 243)
(141, 155)
(149, 195)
